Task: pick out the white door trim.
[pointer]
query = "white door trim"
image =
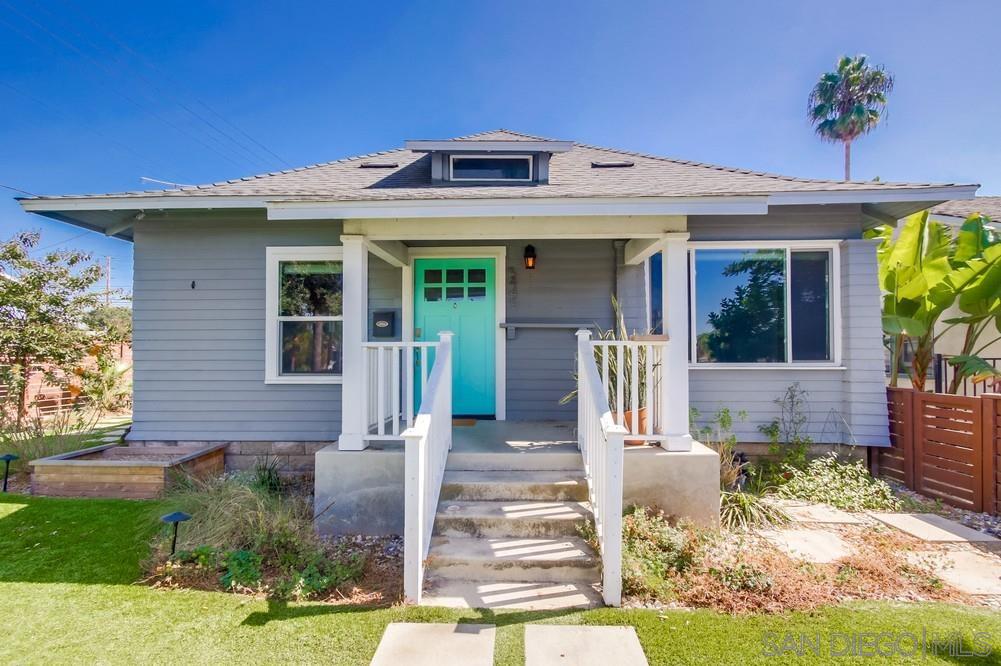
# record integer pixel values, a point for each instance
(499, 254)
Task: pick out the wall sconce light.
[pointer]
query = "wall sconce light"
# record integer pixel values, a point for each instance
(530, 257)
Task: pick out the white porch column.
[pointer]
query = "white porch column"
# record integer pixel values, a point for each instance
(674, 392)
(355, 332)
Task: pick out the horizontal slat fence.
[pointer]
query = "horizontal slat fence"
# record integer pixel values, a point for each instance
(945, 446)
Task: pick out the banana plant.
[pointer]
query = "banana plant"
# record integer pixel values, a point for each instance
(913, 267)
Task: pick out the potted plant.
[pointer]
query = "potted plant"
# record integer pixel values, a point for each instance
(615, 333)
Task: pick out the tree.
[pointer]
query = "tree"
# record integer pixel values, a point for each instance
(849, 102)
(43, 303)
(113, 323)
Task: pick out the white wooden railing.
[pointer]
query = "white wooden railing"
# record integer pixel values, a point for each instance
(392, 370)
(427, 442)
(631, 372)
(601, 440)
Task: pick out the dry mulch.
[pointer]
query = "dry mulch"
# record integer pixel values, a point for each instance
(740, 573)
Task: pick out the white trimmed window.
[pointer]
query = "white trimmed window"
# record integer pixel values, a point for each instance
(490, 167)
(765, 303)
(303, 340)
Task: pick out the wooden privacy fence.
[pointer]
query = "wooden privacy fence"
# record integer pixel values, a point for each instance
(945, 446)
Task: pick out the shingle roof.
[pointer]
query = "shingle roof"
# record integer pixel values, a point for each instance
(571, 174)
(989, 206)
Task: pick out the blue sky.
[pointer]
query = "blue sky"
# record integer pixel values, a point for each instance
(95, 95)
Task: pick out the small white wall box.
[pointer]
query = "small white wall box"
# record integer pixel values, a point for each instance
(384, 324)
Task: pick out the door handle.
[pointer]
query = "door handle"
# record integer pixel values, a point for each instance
(417, 332)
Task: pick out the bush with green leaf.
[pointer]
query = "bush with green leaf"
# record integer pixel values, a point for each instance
(842, 484)
(653, 550)
(255, 537)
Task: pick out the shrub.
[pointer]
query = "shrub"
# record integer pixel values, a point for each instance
(743, 578)
(845, 485)
(653, 551)
(243, 569)
(256, 538)
(741, 510)
(267, 474)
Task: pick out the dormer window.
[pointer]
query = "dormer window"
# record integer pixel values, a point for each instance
(490, 167)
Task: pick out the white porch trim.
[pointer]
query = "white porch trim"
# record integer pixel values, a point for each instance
(355, 332)
(515, 228)
(674, 395)
(499, 254)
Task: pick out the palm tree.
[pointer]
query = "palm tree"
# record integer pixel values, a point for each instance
(849, 102)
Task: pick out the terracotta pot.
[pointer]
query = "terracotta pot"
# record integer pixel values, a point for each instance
(628, 422)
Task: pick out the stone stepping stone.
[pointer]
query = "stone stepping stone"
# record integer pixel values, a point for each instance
(802, 512)
(576, 645)
(813, 545)
(420, 644)
(932, 528)
(969, 571)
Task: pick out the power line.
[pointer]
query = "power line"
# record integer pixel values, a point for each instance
(17, 189)
(117, 91)
(155, 68)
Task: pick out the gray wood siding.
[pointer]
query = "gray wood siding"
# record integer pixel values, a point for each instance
(844, 405)
(199, 353)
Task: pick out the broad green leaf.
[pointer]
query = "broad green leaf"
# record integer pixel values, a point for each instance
(897, 325)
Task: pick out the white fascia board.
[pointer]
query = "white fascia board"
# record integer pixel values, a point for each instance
(302, 210)
(139, 203)
(896, 195)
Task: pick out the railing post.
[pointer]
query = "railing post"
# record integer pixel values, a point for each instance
(674, 374)
(413, 518)
(611, 558)
(939, 378)
(991, 452)
(583, 348)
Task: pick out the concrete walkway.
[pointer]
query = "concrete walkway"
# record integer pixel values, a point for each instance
(420, 644)
(572, 645)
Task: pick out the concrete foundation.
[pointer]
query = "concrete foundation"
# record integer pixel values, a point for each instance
(360, 492)
(683, 484)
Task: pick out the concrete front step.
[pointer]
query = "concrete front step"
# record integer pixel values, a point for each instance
(519, 595)
(562, 560)
(517, 518)
(557, 486)
(514, 460)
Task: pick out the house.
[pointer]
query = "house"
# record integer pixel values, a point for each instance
(449, 294)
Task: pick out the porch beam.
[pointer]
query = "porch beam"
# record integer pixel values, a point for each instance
(354, 333)
(674, 382)
(639, 250)
(516, 228)
(393, 252)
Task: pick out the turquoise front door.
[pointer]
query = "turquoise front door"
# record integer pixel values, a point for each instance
(458, 295)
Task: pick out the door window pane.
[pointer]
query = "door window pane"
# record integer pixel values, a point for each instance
(477, 293)
(311, 347)
(454, 293)
(477, 275)
(740, 306)
(310, 288)
(455, 276)
(432, 276)
(432, 294)
(809, 292)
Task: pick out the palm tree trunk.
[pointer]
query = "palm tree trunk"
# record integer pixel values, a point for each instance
(848, 160)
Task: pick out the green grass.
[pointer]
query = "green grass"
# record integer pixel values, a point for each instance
(68, 572)
(32, 448)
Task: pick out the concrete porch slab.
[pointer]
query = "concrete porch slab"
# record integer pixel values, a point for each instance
(968, 571)
(812, 545)
(933, 528)
(550, 644)
(418, 644)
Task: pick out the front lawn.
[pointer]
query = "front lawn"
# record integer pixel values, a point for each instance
(68, 573)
